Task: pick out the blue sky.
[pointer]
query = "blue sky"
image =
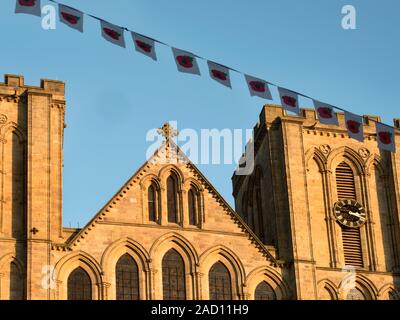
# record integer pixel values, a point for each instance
(114, 95)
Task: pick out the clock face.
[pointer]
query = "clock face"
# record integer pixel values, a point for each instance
(350, 213)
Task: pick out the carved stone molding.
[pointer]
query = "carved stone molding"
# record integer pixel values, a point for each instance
(3, 119)
(364, 153)
(325, 149)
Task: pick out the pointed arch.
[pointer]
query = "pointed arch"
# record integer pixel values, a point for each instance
(141, 257)
(189, 182)
(15, 128)
(121, 246)
(270, 276)
(79, 285)
(174, 239)
(388, 292)
(220, 282)
(348, 155)
(190, 258)
(380, 208)
(329, 287)
(362, 284)
(153, 202)
(318, 204)
(377, 162)
(12, 282)
(173, 276)
(13, 186)
(151, 198)
(167, 170)
(80, 259)
(194, 206)
(232, 263)
(127, 278)
(8, 258)
(318, 156)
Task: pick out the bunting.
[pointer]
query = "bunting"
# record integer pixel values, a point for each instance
(144, 45)
(289, 100)
(28, 7)
(385, 137)
(112, 33)
(71, 17)
(219, 73)
(258, 87)
(326, 113)
(354, 125)
(187, 62)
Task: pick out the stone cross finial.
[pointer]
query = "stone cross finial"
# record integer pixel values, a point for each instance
(167, 131)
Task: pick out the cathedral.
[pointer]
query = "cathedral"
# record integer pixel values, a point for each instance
(317, 219)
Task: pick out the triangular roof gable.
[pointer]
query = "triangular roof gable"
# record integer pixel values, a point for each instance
(169, 144)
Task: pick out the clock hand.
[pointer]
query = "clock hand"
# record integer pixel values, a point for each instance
(354, 214)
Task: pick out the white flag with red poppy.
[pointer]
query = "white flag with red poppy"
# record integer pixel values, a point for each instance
(258, 87)
(326, 113)
(144, 45)
(354, 125)
(289, 100)
(219, 73)
(185, 61)
(28, 7)
(71, 17)
(385, 137)
(112, 33)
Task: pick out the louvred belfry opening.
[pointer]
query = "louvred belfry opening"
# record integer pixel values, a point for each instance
(351, 237)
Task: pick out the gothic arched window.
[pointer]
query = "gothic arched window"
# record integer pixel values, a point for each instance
(79, 285)
(351, 237)
(16, 283)
(127, 276)
(152, 202)
(172, 198)
(264, 292)
(355, 294)
(173, 275)
(193, 201)
(219, 280)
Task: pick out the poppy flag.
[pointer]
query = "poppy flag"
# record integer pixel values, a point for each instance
(28, 7)
(219, 73)
(385, 137)
(185, 61)
(258, 87)
(326, 113)
(71, 17)
(144, 45)
(112, 33)
(354, 125)
(289, 100)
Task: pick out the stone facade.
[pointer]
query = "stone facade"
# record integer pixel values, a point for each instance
(293, 247)
(296, 160)
(38, 255)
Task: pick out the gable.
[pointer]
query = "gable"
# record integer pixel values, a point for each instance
(130, 205)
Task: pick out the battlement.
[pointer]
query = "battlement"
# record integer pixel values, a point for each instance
(272, 113)
(15, 85)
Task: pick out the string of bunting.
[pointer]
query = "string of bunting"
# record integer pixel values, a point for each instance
(186, 62)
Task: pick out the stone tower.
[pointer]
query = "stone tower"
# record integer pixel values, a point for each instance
(305, 175)
(31, 142)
